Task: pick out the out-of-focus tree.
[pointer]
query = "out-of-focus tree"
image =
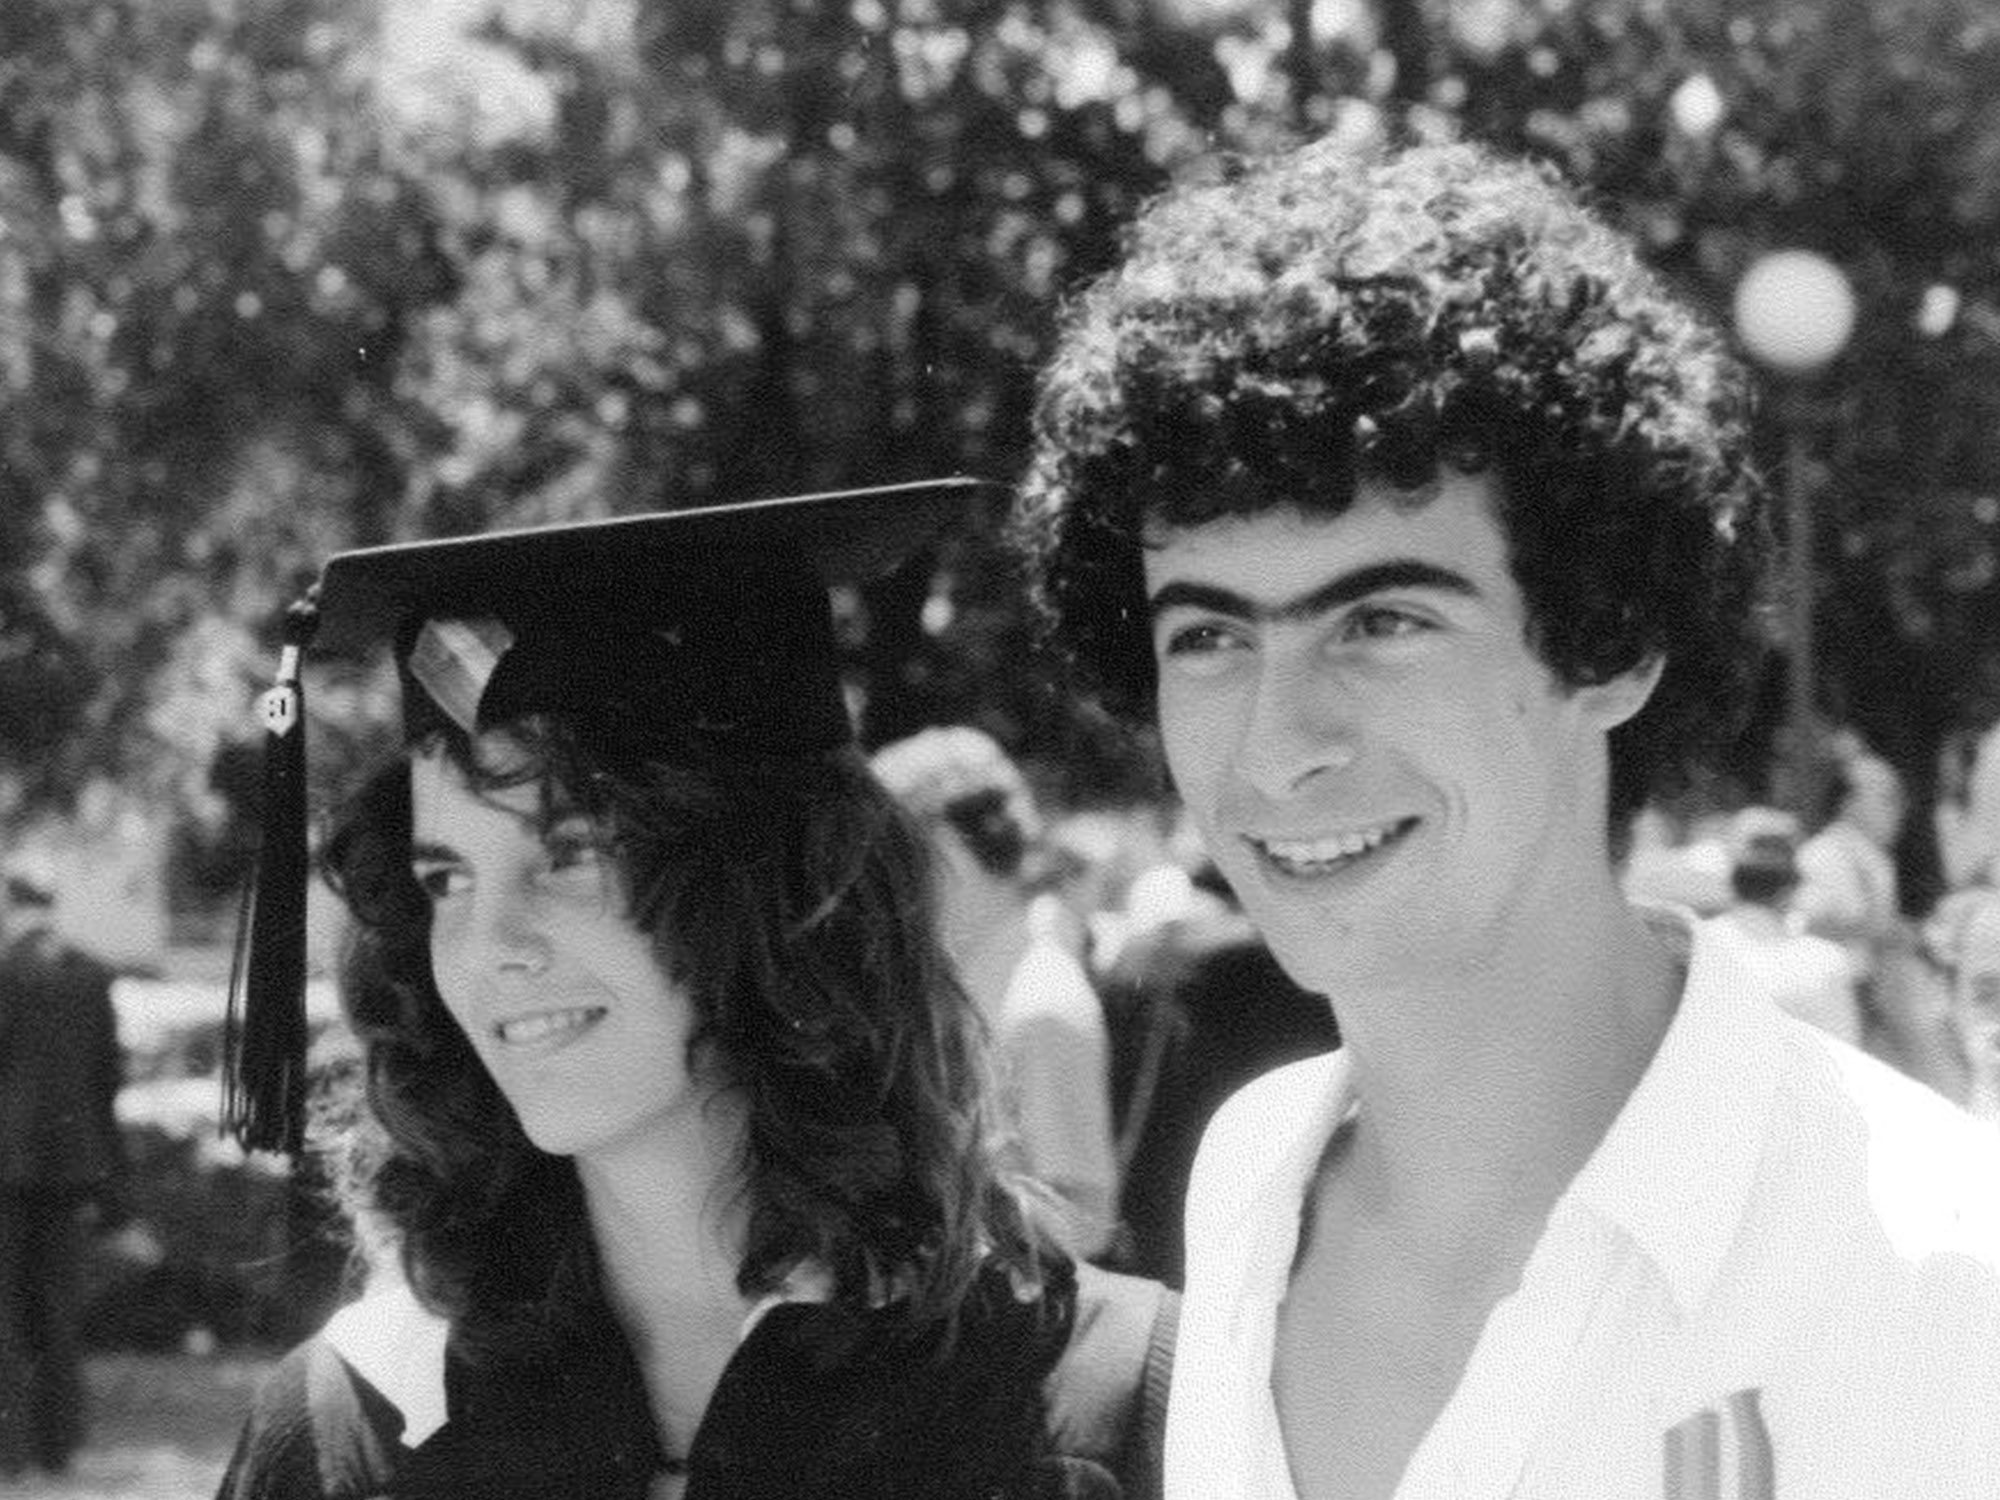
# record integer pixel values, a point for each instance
(1868, 130)
(279, 276)
(756, 248)
(204, 276)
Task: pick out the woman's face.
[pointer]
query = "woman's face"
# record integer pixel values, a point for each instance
(561, 995)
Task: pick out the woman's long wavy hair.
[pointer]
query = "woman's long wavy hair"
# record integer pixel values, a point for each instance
(788, 894)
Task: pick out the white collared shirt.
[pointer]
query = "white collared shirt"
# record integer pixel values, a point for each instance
(1777, 1276)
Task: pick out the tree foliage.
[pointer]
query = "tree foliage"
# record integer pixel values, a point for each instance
(281, 276)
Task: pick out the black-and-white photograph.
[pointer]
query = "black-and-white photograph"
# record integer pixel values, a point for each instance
(1037, 750)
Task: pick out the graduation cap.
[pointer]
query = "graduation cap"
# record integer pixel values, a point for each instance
(714, 621)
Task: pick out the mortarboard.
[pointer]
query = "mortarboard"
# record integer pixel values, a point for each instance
(713, 620)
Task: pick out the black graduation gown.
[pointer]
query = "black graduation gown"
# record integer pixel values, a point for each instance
(819, 1400)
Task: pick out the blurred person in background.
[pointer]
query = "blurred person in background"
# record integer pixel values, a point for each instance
(1962, 936)
(1678, 859)
(1966, 816)
(674, 1115)
(61, 1165)
(1134, 873)
(1197, 1006)
(1420, 517)
(1050, 1047)
(1849, 892)
(1808, 976)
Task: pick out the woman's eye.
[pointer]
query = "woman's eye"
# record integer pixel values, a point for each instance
(572, 856)
(574, 849)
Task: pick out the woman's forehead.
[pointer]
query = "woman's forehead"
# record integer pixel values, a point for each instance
(444, 796)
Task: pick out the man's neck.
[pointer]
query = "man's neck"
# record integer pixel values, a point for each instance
(1482, 1093)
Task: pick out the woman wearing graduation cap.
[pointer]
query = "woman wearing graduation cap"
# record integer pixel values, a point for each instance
(674, 1125)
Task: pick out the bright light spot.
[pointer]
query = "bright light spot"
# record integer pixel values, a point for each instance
(77, 221)
(1381, 72)
(1357, 123)
(1794, 311)
(1938, 311)
(1483, 27)
(1248, 64)
(938, 613)
(1186, 14)
(1986, 509)
(928, 59)
(1338, 20)
(1696, 106)
(436, 77)
(248, 304)
(1086, 69)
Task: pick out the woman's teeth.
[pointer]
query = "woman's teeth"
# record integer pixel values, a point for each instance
(1306, 856)
(544, 1024)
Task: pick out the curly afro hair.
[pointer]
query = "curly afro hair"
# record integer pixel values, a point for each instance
(1324, 318)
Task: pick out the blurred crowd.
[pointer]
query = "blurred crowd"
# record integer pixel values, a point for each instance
(1102, 944)
(1126, 996)
(1125, 993)
(1818, 905)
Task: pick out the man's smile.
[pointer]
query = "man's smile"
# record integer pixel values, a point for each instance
(1320, 856)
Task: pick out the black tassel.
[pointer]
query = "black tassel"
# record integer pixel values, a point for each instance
(264, 1045)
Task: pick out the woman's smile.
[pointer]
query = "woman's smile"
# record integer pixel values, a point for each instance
(549, 1029)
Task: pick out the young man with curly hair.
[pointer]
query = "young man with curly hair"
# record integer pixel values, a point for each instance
(1418, 516)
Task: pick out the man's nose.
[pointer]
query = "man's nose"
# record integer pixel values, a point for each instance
(1300, 726)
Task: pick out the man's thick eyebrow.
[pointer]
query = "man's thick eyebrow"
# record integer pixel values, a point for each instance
(1397, 573)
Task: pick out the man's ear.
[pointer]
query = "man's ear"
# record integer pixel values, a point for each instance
(1611, 702)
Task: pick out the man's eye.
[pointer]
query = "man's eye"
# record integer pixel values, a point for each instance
(439, 881)
(1203, 638)
(1377, 622)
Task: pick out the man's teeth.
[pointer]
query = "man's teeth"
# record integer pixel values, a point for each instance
(546, 1023)
(1326, 850)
